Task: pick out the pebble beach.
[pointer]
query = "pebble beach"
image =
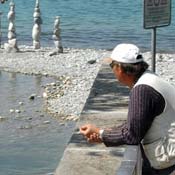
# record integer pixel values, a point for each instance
(75, 71)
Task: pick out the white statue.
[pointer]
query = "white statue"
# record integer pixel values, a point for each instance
(56, 37)
(12, 41)
(36, 32)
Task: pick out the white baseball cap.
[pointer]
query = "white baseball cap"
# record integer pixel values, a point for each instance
(126, 53)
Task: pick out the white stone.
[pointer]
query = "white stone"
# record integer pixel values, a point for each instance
(21, 103)
(17, 111)
(12, 110)
(45, 95)
(46, 122)
(2, 118)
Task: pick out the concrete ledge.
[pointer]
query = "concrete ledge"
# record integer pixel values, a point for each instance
(89, 161)
(106, 106)
(132, 162)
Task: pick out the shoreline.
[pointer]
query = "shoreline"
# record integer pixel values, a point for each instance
(75, 69)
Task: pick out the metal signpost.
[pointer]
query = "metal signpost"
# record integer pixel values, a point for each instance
(157, 13)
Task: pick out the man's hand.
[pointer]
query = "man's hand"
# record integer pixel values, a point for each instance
(91, 132)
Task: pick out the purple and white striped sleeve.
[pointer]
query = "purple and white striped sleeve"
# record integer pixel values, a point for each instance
(144, 105)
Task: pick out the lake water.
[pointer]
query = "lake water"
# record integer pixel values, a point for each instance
(89, 24)
(32, 141)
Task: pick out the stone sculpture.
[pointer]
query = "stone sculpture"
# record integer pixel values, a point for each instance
(36, 32)
(12, 41)
(56, 37)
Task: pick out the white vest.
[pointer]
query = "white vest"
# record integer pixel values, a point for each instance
(159, 141)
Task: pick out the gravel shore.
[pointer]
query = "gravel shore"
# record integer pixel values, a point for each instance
(75, 70)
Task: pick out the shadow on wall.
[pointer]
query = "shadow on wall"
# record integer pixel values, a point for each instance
(106, 87)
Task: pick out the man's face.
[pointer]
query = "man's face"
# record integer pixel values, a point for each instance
(115, 67)
(117, 72)
(120, 75)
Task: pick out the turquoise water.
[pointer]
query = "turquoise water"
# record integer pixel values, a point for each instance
(89, 24)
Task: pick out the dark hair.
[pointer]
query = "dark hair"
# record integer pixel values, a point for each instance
(136, 69)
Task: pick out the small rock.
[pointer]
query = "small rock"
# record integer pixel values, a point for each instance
(63, 118)
(171, 78)
(46, 122)
(21, 103)
(30, 118)
(70, 118)
(17, 111)
(12, 110)
(75, 119)
(26, 127)
(61, 124)
(50, 174)
(53, 84)
(61, 93)
(45, 95)
(92, 61)
(2, 118)
(53, 53)
(41, 115)
(171, 60)
(32, 97)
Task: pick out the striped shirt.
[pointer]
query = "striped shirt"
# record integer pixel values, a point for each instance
(144, 105)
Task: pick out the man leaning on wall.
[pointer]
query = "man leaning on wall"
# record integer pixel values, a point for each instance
(151, 112)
